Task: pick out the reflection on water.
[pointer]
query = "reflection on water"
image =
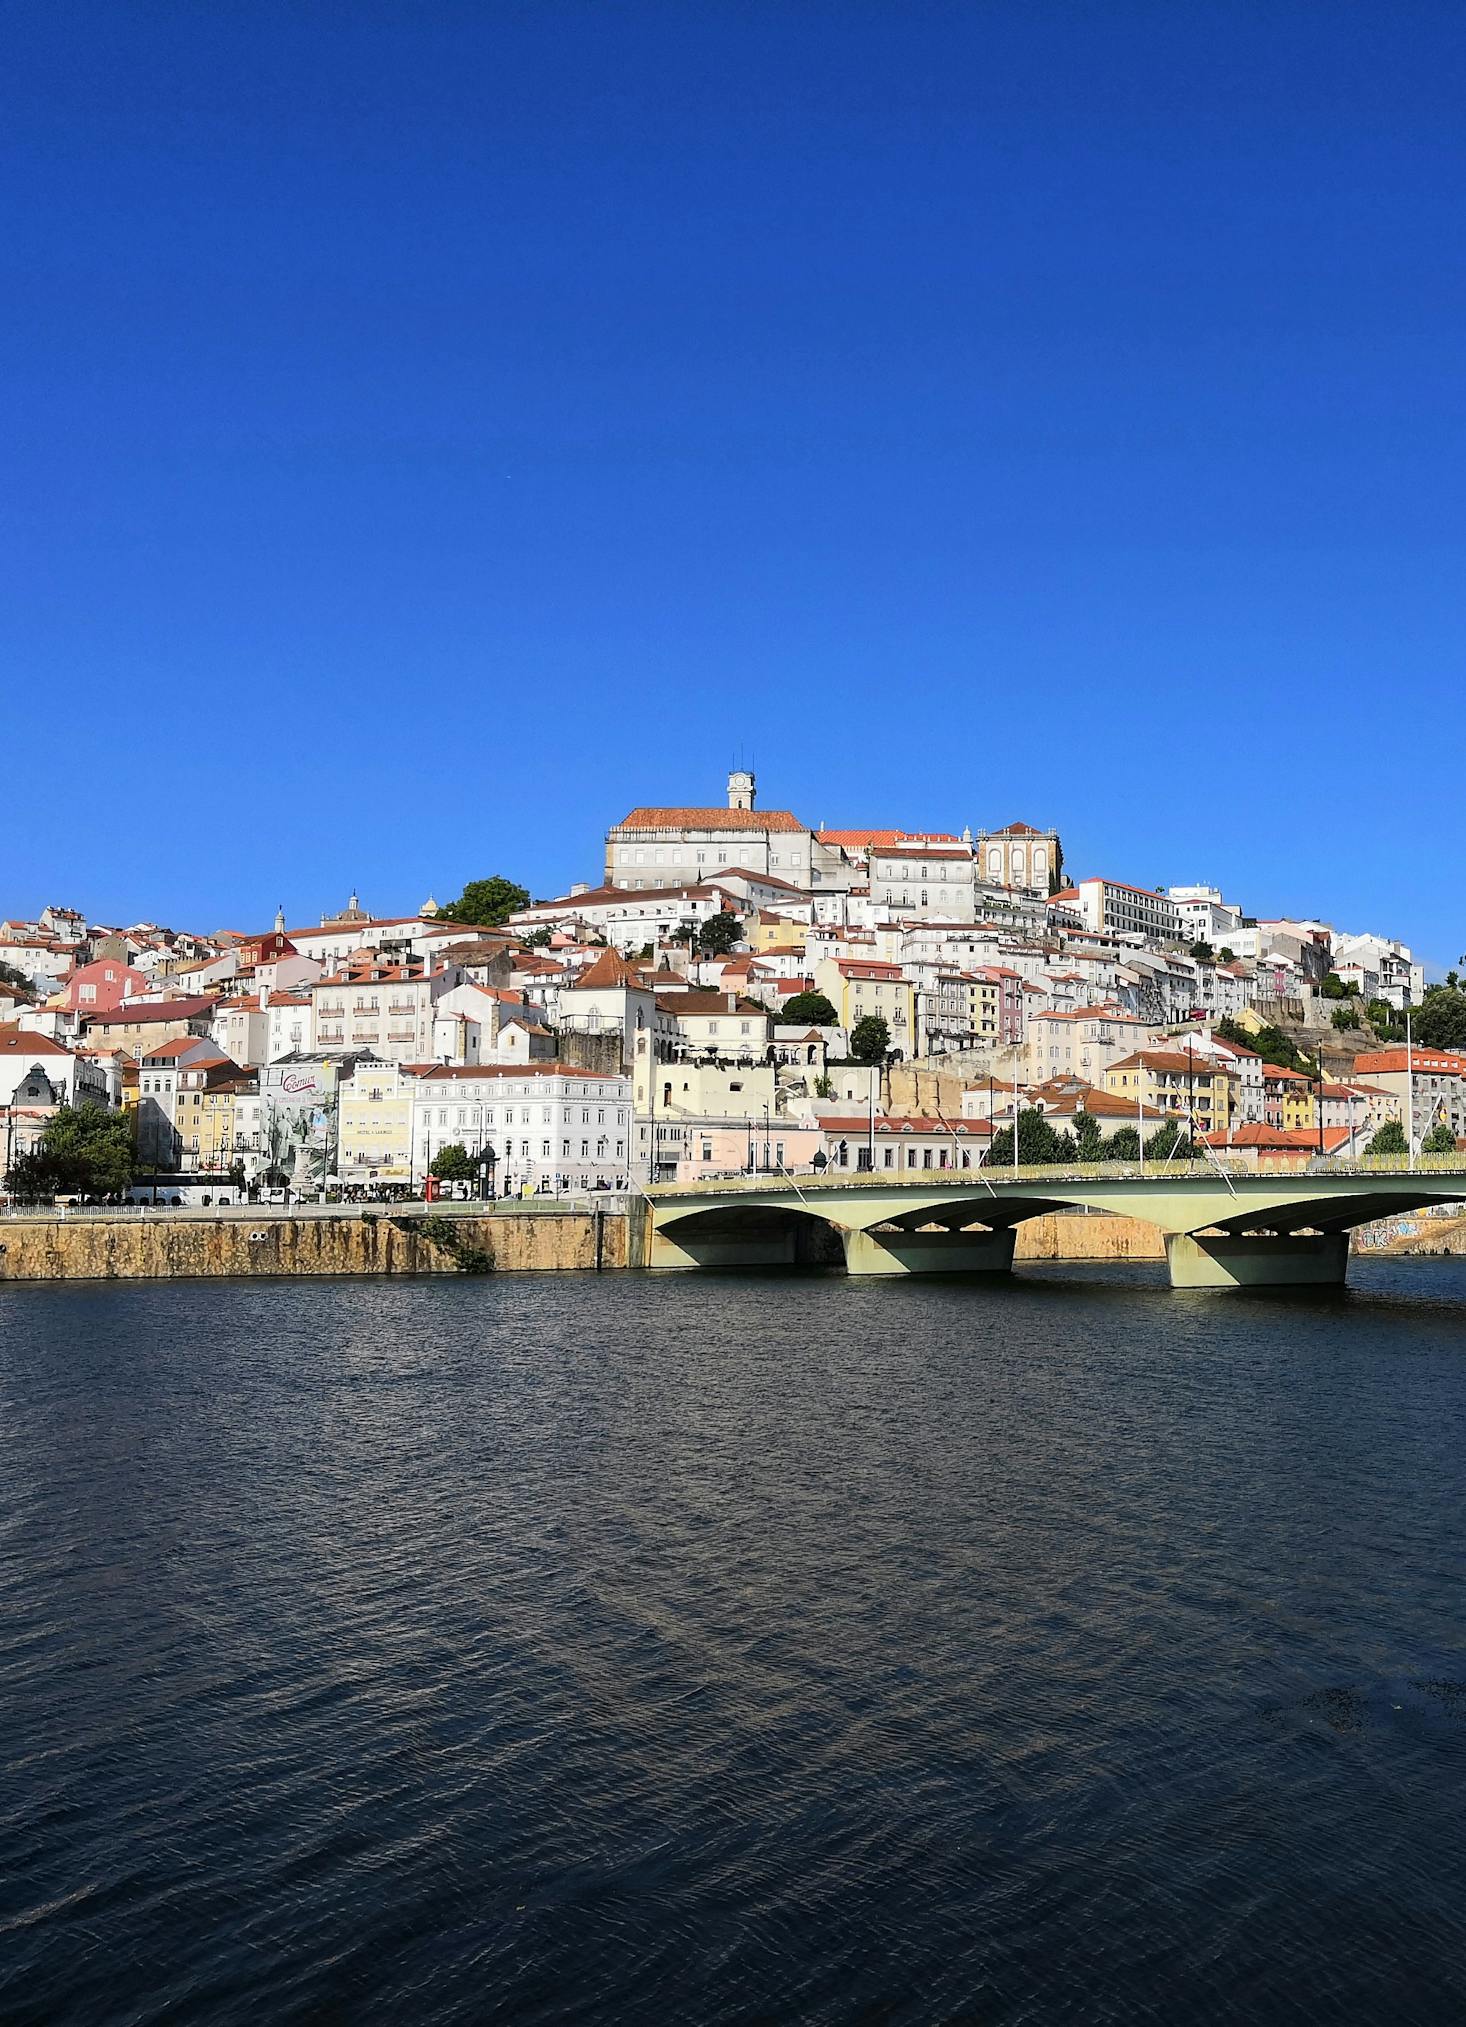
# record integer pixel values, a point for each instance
(733, 1650)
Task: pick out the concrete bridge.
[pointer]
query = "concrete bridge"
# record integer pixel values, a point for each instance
(1222, 1230)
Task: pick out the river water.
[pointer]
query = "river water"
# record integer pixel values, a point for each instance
(745, 1650)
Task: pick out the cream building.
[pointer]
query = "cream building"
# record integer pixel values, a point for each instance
(659, 847)
(856, 987)
(925, 880)
(1020, 856)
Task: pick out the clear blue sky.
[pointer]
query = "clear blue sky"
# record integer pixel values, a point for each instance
(432, 429)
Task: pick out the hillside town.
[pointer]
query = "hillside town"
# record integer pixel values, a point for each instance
(736, 991)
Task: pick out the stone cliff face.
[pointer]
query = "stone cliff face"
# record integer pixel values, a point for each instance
(101, 1249)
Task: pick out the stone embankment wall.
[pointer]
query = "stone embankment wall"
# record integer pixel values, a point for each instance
(104, 1249)
(1422, 1237)
(1068, 1235)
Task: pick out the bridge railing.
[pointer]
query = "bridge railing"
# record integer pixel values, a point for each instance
(1160, 1171)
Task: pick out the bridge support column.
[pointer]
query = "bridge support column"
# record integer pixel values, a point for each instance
(928, 1252)
(1230, 1260)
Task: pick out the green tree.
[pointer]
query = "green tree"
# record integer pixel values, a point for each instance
(1439, 1140)
(1344, 1017)
(1089, 1142)
(1333, 986)
(452, 1163)
(1038, 1144)
(1202, 952)
(718, 934)
(1170, 1142)
(870, 1040)
(811, 1009)
(1384, 1020)
(1124, 1144)
(1226, 955)
(83, 1151)
(1390, 1139)
(11, 977)
(1440, 1019)
(537, 939)
(1270, 1043)
(487, 903)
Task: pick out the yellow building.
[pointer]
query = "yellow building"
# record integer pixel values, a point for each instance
(767, 931)
(1179, 1085)
(1290, 1098)
(860, 986)
(375, 1124)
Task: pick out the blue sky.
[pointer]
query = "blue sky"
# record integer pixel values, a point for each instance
(432, 430)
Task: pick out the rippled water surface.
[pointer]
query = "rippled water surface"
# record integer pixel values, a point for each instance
(733, 1650)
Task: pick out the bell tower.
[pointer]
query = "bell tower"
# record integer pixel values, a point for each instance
(740, 788)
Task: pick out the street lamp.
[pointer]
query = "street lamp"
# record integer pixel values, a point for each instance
(1409, 1089)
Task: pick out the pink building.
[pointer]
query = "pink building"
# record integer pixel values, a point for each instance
(101, 987)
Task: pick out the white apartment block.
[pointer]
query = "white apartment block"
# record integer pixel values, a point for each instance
(926, 880)
(1205, 916)
(549, 1128)
(1112, 907)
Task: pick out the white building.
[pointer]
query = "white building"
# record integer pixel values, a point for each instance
(658, 847)
(1112, 907)
(1205, 916)
(547, 1127)
(380, 1004)
(924, 880)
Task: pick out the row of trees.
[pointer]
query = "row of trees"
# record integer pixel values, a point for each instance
(1390, 1139)
(1041, 1145)
(82, 1151)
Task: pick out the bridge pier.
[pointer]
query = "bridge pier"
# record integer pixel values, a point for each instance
(928, 1252)
(1234, 1260)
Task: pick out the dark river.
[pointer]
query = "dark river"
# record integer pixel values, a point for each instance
(691, 1650)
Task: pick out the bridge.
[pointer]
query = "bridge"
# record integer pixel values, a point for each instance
(1222, 1229)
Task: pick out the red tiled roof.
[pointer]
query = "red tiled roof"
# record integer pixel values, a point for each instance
(715, 819)
(20, 1041)
(891, 1123)
(458, 1071)
(882, 841)
(139, 1013)
(1382, 1062)
(610, 971)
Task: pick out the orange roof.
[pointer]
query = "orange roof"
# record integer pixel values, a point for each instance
(956, 850)
(1382, 1062)
(883, 841)
(21, 1042)
(609, 971)
(678, 818)
(451, 1071)
(890, 1123)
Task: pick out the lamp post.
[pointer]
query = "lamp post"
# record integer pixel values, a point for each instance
(1409, 1089)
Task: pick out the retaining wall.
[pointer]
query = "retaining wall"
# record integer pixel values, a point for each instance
(104, 1249)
